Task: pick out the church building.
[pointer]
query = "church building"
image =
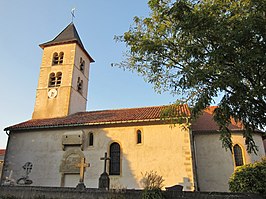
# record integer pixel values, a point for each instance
(47, 150)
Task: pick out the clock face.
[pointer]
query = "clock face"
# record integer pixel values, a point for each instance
(52, 93)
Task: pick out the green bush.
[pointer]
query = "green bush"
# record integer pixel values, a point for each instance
(152, 194)
(250, 178)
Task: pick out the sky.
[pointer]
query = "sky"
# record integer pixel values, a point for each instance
(28, 23)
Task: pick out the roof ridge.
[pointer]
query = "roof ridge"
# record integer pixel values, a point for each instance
(129, 108)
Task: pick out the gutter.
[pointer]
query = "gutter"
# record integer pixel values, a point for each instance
(194, 161)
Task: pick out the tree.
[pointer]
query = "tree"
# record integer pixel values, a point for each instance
(249, 178)
(201, 49)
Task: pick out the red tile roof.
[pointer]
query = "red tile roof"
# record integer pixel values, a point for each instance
(205, 122)
(100, 117)
(2, 151)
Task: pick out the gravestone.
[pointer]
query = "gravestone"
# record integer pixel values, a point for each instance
(178, 188)
(104, 180)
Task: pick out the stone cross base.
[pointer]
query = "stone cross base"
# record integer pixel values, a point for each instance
(81, 185)
(104, 181)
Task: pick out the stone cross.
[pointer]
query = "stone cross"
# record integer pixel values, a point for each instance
(104, 180)
(82, 165)
(105, 158)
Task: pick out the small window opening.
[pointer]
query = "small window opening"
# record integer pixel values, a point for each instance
(238, 155)
(138, 136)
(91, 139)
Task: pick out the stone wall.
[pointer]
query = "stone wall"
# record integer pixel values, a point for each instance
(16, 192)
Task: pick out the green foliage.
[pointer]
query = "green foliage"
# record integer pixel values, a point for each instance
(199, 49)
(174, 114)
(152, 194)
(8, 197)
(152, 183)
(249, 178)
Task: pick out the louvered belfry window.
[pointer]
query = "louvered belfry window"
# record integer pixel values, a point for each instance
(81, 65)
(114, 168)
(55, 80)
(61, 58)
(79, 85)
(58, 59)
(55, 58)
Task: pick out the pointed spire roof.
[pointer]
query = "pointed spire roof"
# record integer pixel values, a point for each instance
(68, 35)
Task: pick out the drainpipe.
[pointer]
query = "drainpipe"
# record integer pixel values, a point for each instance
(194, 161)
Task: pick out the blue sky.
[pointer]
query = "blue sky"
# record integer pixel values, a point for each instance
(28, 23)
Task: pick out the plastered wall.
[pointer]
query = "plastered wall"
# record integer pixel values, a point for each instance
(214, 164)
(163, 149)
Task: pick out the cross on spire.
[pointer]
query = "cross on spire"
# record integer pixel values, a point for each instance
(73, 14)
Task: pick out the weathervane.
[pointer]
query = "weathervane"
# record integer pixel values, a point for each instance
(72, 14)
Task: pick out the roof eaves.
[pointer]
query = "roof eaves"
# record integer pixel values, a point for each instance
(84, 124)
(47, 44)
(218, 131)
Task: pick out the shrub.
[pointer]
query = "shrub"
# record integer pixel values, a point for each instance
(250, 178)
(152, 183)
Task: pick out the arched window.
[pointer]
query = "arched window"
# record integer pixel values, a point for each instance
(81, 65)
(55, 58)
(58, 59)
(79, 85)
(114, 168)
(61, 58)
(238, 156)
(91, 139)
(138, 136)
(55, 80)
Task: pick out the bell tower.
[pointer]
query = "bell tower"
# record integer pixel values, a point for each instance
(64, 75)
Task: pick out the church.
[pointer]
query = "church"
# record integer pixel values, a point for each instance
(45, 150)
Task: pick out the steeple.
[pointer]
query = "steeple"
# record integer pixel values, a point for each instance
(64, 75)
(68, 35)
